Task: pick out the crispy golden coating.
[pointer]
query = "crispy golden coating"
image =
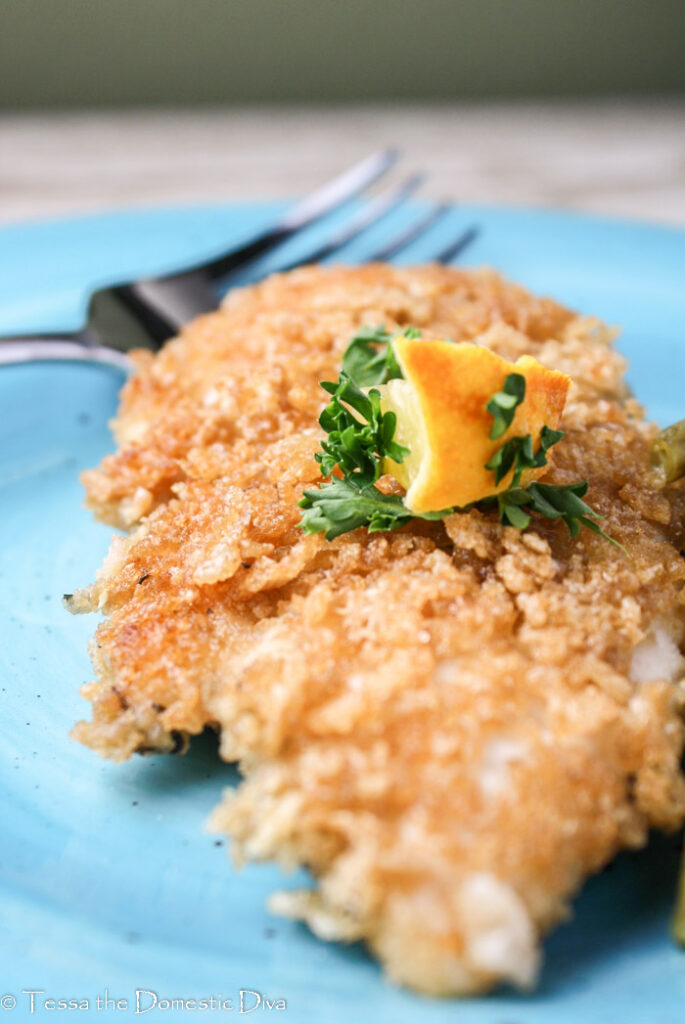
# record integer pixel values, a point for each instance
(451, 725)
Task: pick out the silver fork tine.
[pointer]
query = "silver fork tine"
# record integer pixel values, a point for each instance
(383, 204)
(456, 248)
(410, 234)
(324, 201)
(346, 185)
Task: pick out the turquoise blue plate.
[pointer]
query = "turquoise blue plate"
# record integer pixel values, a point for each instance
(109, 884)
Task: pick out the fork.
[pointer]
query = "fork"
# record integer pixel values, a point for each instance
(147, 312)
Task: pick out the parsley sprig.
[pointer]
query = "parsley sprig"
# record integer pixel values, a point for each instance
(518, 454)
(516, 503)
(504, 403)
(370, 358)
(553, 501)
(360, 436)
(340, 505)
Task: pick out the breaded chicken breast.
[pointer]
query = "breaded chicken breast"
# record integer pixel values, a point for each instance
(451, 725)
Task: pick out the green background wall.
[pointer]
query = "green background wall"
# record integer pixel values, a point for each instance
(86, 53)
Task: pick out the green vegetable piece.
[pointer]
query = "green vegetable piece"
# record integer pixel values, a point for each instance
(503, 404)
(518, 453)
(339, 506)
(668, 451)
(356, 444)
(370, 358)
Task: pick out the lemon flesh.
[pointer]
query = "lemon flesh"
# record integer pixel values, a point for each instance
(442, 419)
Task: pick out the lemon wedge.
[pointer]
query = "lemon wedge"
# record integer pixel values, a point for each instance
(442, 419)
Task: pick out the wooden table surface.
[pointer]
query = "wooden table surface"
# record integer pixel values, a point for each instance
(617, 158)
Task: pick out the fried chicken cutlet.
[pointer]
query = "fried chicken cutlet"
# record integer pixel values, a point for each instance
(451, 725)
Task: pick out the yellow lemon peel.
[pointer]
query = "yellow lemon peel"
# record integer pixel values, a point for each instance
(442, 419)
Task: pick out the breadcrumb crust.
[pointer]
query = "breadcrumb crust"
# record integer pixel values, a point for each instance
(441, 723)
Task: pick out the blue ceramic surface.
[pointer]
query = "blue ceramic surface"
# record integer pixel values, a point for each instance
(108, 880)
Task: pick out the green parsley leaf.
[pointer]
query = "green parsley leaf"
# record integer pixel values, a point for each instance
(553, 501)
(559, 502)
(504, 403)
(517, 453)
(339, 506)
(549, 437)
(370, 359)
(360, 436)
(510, 511)
(549, 500)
